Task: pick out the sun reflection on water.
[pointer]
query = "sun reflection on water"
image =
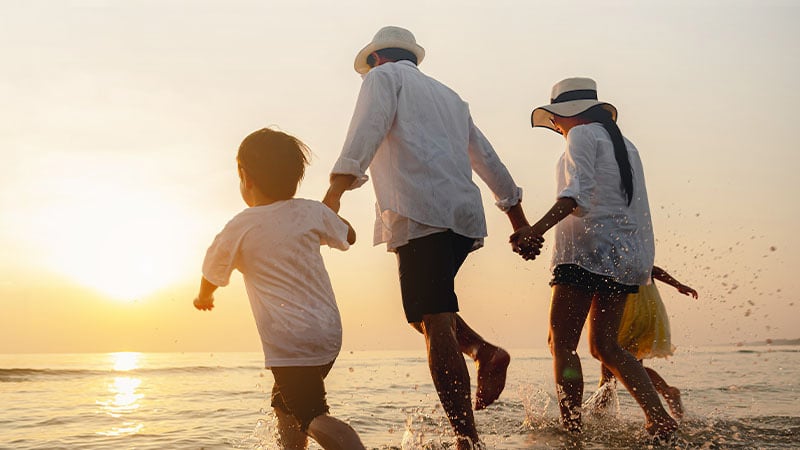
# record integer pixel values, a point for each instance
(125, 396)
(124, 361)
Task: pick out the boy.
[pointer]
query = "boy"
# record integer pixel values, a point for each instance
(275, 244)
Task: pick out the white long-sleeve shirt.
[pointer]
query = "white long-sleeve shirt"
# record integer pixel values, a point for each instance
(603, 235)
(420, 144)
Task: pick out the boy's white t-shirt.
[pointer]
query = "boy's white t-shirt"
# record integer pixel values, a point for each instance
(276, 247)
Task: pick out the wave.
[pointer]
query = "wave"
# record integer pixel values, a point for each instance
(24, 374)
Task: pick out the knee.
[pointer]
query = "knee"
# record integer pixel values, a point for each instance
(604, 349)
(438, 325)
(560, 347)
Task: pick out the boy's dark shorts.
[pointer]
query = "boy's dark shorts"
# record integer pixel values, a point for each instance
(428, 268)
(575, 275)
(300, 392)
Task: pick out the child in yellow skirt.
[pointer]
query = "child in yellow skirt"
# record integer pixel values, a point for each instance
(644, 332)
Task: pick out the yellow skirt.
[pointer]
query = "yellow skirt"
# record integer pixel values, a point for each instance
(644, 329)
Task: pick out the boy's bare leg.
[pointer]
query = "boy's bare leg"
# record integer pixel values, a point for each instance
(606, 314)
(333, 434)
(671, 394)
(450, 375)
(491, 362)
(289, 433)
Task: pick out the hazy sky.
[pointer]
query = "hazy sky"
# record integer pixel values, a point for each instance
(120, 120)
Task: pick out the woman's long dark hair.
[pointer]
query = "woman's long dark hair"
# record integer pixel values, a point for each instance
(603, 117)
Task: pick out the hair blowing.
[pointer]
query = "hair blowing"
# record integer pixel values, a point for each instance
(604, 118)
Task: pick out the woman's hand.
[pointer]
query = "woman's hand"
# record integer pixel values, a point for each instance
(526, 243)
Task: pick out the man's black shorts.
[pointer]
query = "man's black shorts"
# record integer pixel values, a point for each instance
(428, 268)
(300, 391)
(575, 275)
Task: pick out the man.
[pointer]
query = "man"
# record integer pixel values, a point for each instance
(418, 140)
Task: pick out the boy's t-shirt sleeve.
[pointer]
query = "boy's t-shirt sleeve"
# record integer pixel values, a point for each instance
(221, 256)
(334, 230)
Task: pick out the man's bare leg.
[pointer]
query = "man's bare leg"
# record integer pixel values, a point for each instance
(450, 375)
(491, 362)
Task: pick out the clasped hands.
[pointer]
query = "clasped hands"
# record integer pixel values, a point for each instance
(526, 243)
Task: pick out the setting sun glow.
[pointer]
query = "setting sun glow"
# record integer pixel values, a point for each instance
(119, 239)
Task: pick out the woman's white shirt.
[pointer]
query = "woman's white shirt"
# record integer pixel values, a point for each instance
(604, 235)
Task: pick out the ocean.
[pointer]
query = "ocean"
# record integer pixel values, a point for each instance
(735, 398)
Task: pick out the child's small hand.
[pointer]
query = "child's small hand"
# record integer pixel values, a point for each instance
(686, 290)
(204, 304)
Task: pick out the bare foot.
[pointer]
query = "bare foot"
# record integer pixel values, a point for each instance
(663, 431)
(467, 443)
(491, 376)
(673, 397)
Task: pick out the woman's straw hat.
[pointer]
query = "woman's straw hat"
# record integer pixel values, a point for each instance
(569, 98)
(388, 37)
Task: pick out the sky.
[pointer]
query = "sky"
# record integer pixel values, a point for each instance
(120, 120)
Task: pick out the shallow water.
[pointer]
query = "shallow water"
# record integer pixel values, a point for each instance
(735, 397)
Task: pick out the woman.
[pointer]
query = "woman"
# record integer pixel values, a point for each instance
(603, 247)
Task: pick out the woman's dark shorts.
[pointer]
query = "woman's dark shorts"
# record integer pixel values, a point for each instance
(575, 275)
(428, 268)
(300, 392)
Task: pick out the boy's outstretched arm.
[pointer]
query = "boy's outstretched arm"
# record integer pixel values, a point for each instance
(662, 275)
(205, 298)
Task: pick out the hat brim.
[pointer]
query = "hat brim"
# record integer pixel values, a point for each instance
(540, 117)
(361, 65)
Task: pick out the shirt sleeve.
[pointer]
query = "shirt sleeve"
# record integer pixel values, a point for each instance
(374, 114)
(221, 256)
(579, 170)
(334, 230)
(491, 170)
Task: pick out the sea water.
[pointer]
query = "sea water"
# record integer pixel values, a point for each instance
(735, 397)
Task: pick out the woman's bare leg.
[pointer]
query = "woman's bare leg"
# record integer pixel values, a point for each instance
(671, 394)
(604, 320)
(569, 307)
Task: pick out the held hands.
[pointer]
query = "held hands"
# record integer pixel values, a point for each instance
(333, 202)
(204, 304)
(526, 243)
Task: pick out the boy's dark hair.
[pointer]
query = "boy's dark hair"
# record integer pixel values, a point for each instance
(274, 161)
(393, 54)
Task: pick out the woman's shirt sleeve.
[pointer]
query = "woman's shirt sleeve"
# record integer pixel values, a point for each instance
(579, 168)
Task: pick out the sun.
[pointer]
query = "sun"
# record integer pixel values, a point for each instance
(125, 242)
